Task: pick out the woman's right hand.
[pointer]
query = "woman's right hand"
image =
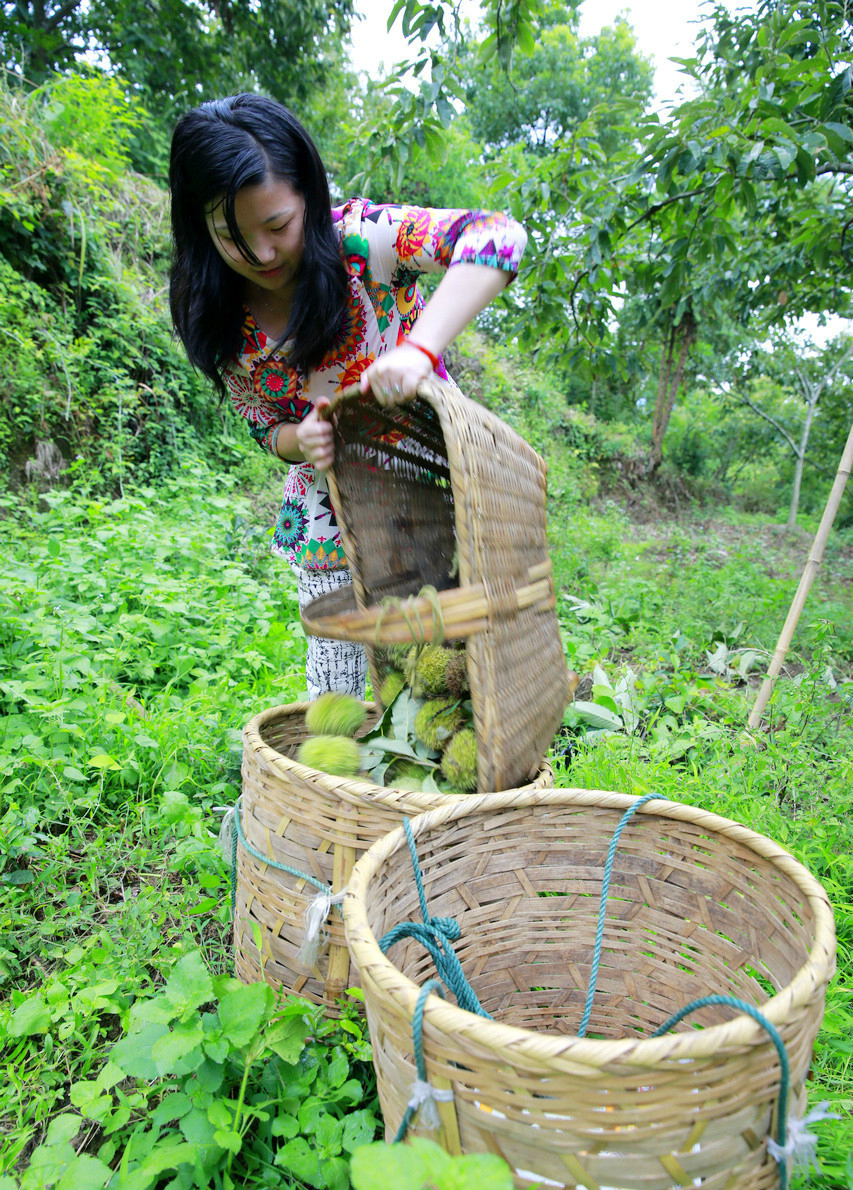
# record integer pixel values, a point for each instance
(315, 439)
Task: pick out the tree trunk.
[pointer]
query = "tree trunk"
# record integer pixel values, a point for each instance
(812, 392)
(679, 341)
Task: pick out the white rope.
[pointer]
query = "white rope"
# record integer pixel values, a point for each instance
(425, 1097)
(226, 831)
(315, 922)
(800, 1144)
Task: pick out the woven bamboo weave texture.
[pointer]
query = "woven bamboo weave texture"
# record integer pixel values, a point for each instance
(698, 905)
(317, 824)
(443, 493)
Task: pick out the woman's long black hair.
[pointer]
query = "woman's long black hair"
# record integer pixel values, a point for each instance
(217, 149)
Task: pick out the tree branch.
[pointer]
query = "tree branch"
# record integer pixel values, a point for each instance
(667, 202)
(61, 13)
(841, 167)
(780, 429)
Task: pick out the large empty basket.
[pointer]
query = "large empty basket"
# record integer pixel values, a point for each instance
(698, 905)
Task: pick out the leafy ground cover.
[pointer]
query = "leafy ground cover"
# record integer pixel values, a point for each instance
(137, 637)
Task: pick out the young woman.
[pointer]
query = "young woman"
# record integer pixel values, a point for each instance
(283, 300)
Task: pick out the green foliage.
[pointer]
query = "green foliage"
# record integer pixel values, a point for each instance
(92, 372)
(190, 53)
(421, 1164)
(217, 1081)
(552, 88)
(91, 116)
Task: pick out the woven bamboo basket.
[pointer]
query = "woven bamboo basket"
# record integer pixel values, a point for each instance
(441, 493)
(698, 905)
(316, 824)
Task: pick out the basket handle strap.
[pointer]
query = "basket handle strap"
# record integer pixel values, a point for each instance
(352, 393)
(465, 611)
(348, 394)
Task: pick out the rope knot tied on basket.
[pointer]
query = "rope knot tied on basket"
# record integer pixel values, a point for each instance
(435, 935)
(316, 915)
(424, 1099)
(800, 1147)
(231, 833)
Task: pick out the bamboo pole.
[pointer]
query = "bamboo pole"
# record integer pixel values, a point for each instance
(814, 561)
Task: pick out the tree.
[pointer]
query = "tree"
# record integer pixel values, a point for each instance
(177, 53)
(550, 90)
(807, 376)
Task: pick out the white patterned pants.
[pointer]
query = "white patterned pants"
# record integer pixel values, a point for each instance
(330, 664)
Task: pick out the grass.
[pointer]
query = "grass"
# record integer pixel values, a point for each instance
(138, 636)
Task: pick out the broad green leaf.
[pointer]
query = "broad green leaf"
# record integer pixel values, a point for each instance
(220, 1114)
(595, 715)
(298, 1157)
(133, 1053)
(842, 130)
(226, 1139)
(29, 1018)
(243, 1011)
(102, 760)
(286, 1037)
(359, 1129)
(85, 1173)
(486, 1171)
(176, 1045)
(189, 985)
(196, 1128)
(62, 1129)
(388, 1167)
(171, 1107)
(165, 1157)
(19, 877)
(328, 1133)
(286, 1126)
(91, 1100)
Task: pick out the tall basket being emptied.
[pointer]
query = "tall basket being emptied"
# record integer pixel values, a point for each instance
(699, 906)
(441, 493)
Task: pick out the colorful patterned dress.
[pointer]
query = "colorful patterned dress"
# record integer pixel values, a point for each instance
(385, 248)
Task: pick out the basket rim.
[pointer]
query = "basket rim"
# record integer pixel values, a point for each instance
(562, 1052)
(353, 790)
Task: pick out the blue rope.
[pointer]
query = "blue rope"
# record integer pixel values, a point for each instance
(436, 935)
(775, 1037)
(602, 908)
(431, 985)
(238, 834)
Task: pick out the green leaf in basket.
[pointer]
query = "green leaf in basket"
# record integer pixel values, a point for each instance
(403, 711)
(429, 784)
(382, 727)
(396, 747)
(376, 766)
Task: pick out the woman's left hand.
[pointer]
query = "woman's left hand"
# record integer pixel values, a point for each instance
(395, 376)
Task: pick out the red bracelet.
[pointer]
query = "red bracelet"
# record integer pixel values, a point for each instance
(433, 359)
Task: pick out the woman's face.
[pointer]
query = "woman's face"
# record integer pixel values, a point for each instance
(270, 218)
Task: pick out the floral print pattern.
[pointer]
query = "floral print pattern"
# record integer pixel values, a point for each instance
(290, 528)
(413, 231)
(385, 249)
